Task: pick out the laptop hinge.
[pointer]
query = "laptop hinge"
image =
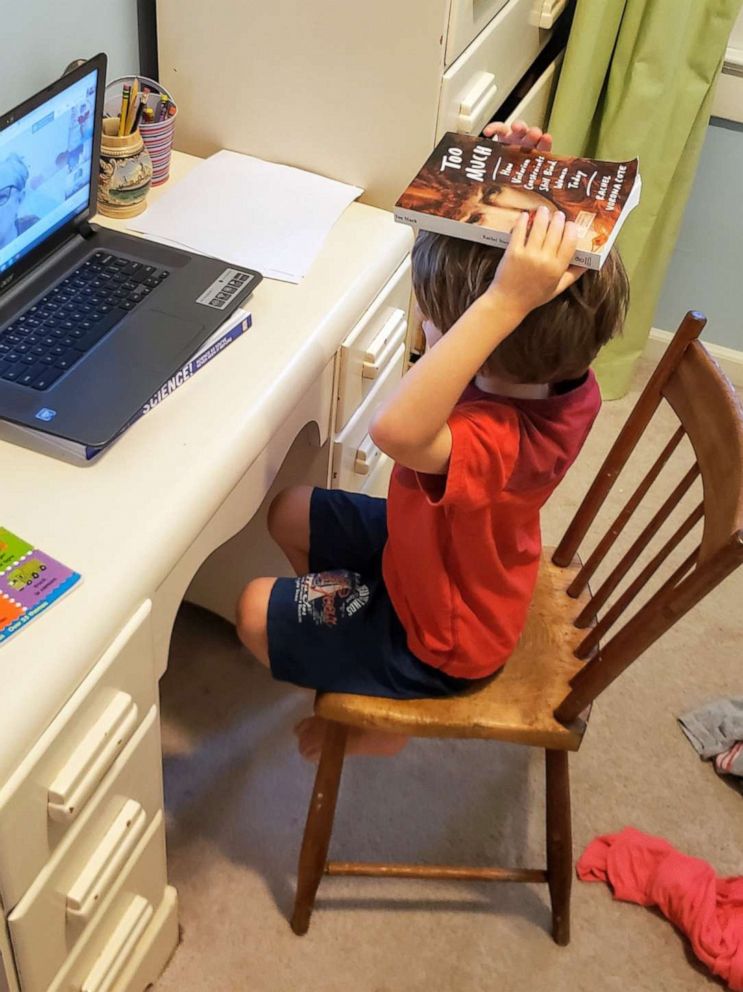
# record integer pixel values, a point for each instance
(85, 230)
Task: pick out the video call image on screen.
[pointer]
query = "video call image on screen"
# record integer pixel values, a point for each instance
(45, 169)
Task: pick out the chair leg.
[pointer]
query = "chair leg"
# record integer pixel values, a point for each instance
(559, 843)
(319, 826)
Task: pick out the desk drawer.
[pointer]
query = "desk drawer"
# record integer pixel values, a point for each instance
(98, 962)
(467, 18)
(372, 344)
(536, 105)
(355, 455)
(49, 790)
(64, 900)
(473, 88)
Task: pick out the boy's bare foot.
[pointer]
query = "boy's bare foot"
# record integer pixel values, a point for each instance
(310, 733)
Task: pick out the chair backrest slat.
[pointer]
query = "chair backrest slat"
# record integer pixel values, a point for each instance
(607, 621)
(656, 617)
(583, 577)
(601, 595)
(641, 415)
(711, 416)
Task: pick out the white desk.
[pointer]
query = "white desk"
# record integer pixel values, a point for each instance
(138, 523)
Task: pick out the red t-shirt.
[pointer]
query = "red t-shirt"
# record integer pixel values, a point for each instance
(462, 557)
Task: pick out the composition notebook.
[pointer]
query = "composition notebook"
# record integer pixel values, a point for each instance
(30, 581)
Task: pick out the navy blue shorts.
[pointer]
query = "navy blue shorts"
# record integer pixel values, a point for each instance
(335, 630)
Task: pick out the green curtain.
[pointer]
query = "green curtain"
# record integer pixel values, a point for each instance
(638, 79)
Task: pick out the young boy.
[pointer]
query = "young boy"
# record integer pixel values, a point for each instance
(420, 594)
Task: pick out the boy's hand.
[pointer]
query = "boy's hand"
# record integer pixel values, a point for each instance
(536, 267)
(519, 133)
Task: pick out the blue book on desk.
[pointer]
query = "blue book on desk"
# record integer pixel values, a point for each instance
(59, 447)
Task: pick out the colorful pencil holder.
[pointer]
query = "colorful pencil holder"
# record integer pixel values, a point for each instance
(158, 139)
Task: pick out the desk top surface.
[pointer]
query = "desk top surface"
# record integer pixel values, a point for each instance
(125, 520)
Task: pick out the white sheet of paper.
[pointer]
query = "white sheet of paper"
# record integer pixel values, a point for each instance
(252, 213)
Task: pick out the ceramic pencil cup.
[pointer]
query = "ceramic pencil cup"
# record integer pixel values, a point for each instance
(126, 172)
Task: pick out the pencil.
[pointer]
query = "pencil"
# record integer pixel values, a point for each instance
(124, 109)
(133, 96)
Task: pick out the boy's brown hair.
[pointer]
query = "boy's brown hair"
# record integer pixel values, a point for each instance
(557, 341)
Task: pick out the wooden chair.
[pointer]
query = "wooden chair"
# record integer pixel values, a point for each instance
(543, 696)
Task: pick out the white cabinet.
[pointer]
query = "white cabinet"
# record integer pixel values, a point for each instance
(357, 92)
(41, 803)
(473, 88)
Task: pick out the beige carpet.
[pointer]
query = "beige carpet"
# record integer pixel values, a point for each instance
(236, 794)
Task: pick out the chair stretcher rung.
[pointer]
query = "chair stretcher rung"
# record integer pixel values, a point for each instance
(451, 872)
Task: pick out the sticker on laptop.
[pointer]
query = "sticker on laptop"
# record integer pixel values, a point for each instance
(221, 291)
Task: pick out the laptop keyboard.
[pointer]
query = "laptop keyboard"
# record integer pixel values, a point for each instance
(49, 338)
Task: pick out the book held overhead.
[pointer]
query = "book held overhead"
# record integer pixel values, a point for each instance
(474, 188)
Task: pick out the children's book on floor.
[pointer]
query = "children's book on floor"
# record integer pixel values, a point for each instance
(30, 581)
(474, 188)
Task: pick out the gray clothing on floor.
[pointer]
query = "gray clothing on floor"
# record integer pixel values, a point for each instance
(714, 727)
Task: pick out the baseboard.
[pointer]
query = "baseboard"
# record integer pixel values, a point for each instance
(729, 360)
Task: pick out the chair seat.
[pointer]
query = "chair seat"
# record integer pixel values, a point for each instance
(517, 705)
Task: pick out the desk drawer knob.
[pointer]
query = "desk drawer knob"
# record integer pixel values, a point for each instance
(104, 865)
(81, 774)
(477, 104)
(385, 344)
(551, 10)
(119, 947)
(367, 455)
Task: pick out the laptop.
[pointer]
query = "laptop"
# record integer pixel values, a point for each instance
(92, 321)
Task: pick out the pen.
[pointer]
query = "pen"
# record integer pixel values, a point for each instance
(138, 115)
(124, 109)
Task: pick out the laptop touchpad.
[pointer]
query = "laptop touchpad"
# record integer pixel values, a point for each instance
(164, 339)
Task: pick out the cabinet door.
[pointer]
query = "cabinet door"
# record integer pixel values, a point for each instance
(475, 86)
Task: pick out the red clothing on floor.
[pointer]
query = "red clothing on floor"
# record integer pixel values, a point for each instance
(462, 557)
(648, 871)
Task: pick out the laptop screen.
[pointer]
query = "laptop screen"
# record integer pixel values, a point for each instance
(45, 168)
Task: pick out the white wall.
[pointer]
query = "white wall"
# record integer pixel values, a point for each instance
(40, 37)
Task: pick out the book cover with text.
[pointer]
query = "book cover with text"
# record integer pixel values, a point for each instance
(475, 188)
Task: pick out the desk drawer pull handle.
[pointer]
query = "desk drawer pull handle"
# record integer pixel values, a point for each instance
(87, 891)
(367, 455)
(477, 104)
(78, 779)
(385, 344)
(551, 10)
(119, 946)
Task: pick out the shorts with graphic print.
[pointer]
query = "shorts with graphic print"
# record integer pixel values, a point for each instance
(335, 630)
